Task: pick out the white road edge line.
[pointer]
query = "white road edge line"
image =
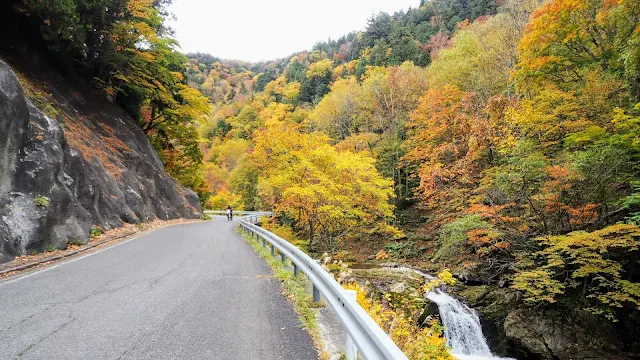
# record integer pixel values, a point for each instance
(63, 262)
(2, 283)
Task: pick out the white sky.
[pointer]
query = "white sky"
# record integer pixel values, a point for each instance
(254, 30)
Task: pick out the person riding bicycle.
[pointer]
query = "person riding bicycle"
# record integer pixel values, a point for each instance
(229, 213)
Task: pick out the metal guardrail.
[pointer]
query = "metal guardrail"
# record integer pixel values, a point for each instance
(370, 339)
(238, 212)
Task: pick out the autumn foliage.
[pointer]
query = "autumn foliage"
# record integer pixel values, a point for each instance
(513, 138)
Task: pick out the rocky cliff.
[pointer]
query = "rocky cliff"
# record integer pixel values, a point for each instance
(72, 162)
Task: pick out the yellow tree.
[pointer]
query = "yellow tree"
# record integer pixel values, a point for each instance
(330, 195)
(570, 38)
(339, 112)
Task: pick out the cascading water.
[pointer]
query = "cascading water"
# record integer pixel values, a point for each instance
(462, 325)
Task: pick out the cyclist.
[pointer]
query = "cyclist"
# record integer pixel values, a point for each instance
(229, 213)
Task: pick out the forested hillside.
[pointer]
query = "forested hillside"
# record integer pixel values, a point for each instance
(498, 139)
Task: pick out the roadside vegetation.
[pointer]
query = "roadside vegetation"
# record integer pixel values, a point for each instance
(391, 314)
(400, 321)
(294, 288)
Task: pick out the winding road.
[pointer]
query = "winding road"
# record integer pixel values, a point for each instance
(195, 291)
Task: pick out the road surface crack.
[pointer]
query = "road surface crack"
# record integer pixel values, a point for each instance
(33, 345)
(136, 344)
(172, 270)
(102, 290)
(26, 319)
(126, 351)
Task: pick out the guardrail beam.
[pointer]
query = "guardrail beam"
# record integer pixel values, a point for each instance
(369, 339)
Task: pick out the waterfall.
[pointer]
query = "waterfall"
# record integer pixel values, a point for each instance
(462, 327)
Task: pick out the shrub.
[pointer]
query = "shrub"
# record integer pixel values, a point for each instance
(76, 242)
(399, 249)
(96, 231)
(415, 341)
(287, 233)
(592, 269)
(382, 255)
(453, 237)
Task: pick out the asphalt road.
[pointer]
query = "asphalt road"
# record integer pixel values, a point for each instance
(194, 291)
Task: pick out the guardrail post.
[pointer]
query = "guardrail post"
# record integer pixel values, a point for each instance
(282, 257)
(273, 250)
(264, 242)
(296, 270)
(316, 291)
(351, 351)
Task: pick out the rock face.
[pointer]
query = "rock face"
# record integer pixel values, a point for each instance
(92, 165)
(556, 335)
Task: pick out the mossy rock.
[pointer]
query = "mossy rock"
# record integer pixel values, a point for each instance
(492, 302)
(402, 288)
(474, 294)
(388, 276)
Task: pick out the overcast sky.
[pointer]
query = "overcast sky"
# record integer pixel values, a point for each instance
(256, 30)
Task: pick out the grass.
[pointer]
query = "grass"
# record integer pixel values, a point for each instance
(39, 98)
(42, 201)
(76, 242)
(294, 288)
(96, 231)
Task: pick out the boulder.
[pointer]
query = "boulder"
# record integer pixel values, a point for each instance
(398, 287)
(401, 285)
(384, 277)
